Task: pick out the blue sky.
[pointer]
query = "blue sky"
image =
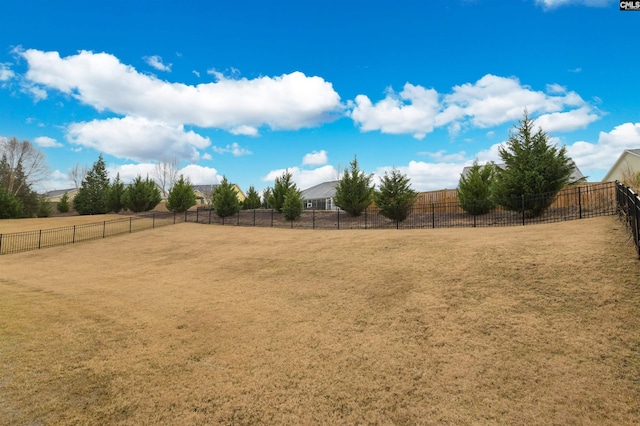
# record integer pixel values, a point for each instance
(248, 89)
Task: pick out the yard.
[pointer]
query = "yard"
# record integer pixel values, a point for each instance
(197, 324)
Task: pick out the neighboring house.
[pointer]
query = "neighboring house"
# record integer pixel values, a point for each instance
(575, 176)
(56, 195)
(320, 197)
(627, 166)
(203, 193)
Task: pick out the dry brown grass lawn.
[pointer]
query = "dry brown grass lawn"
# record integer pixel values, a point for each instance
(196, 324)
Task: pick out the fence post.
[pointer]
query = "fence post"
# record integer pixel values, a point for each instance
(39, 239)
(475, 213)
(579, 204)
(254, 217)
(104, 229)
(1, 243)
(130, 222)
(272, 218)
(74, 235)
(210, 215)
(197, 214)
(433, 215)
(522, 209)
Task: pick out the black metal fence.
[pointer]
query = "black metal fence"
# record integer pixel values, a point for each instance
(33, 240)
(629, 210)
(573, 203)
(570, 204)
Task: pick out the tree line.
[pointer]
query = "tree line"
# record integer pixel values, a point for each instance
(532, 165)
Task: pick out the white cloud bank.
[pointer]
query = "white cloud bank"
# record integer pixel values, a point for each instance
(491, 101)
(138, 139)
(242, 106)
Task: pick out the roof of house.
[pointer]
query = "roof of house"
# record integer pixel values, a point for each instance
(59, 192)
(575, 176)
(207, 190)
(322, 191)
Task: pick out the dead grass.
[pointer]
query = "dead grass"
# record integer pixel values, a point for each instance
(195, 324)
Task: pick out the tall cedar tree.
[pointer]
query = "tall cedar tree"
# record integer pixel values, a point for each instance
(475, 189)
(354, 191)
(63, 204)
(292, 207)
(266, 195)
(92, 195)
(395, 198)
(282, 186)
(141, 195)
(534, 170)
(225, 199)
(114, 195)
(181, 196)
(253, 199)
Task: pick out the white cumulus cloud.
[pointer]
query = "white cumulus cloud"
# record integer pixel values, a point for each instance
(304, 178)
(5, 72)
(315, 158)
(137, 138)
(233, 148)
(155, 61)
(490, 101)
(601, 155)
(47, 142)
(413, 110)
(290, 101)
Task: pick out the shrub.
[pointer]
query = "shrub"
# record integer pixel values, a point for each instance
(395, 198)
(354, 191)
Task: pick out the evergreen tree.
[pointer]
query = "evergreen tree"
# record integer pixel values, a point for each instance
(395, 198)
(475, 189)
(266, 195)
(225, 199)
(92, 195)
(10, 207)
(534, 170)
(44, 207)
(141, 195)
(354, 191)
(63, 204)
(283, 185)
(292, 206)
(114, 195)
(253, 199)
(22, 192)
(181, 196)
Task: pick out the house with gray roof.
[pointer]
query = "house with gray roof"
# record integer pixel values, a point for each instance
(320, 197)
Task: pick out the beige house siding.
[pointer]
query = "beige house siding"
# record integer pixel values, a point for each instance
(628, 164)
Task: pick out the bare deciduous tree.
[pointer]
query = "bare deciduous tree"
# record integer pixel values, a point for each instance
(166, 174)
(77, 174)
(22, 157)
